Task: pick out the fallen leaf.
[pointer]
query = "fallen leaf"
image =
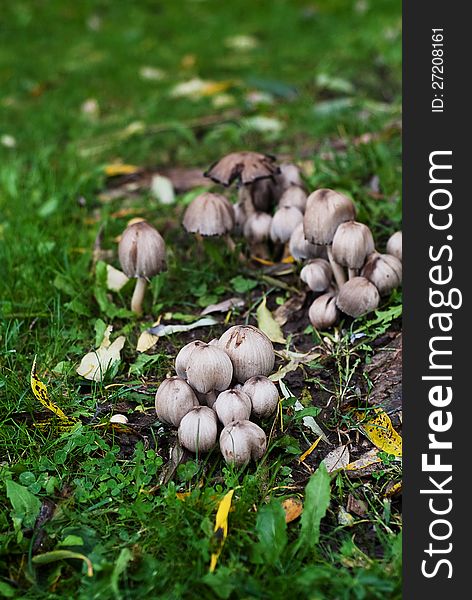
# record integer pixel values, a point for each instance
(311, 423)
(94, 365)
(149, 338)
(337, 459)
(151, 73)
(223, 306)
(380, 431)
(162, 189)
(120, 169)
(268, 325)
(344, 518)
(116, 279)
(393, 489)
(284, 312)
(310, 450)
(241, 42)
(196, 88)
(221, 527)
(358, 507)
(41, 393)
(293, 508)
(366, 461)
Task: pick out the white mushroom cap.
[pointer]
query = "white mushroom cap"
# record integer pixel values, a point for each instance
(290, 175)
(263, 394)
(198, 429)
(242, 441)
(209, 368)
(232, 405)
(317, 274)
(357, 297)
(294, 196)
(284, 221)
(181, 360)
(257, 227)
(209, 214)
(250, 351)
(301, 248)
(352, 243)
(174, 399)
(394, 245)
(142, 251)
(384, 271)
(325, 211)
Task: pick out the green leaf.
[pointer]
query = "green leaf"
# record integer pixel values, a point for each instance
(25, 505)
(121, 564)
(272, 531)
(242, 284)
(317, 496)
(55, 555)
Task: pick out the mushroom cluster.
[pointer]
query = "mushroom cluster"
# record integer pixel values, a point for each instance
(341, 263)
(218, 387)
(355, 275)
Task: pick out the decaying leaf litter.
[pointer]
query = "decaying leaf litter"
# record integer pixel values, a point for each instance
(324, 383)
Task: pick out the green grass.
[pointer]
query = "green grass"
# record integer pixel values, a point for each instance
(333, 71)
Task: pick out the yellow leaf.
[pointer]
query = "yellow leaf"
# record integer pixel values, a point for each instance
(115, 279)
(380, 431)
(221, 527)
(120, 169)
(268, 324)
(41, 393)
(310, 449)
(293, 509)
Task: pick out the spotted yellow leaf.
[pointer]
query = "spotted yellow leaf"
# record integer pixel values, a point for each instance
(221, 527)
(380, 431)
(41, 393)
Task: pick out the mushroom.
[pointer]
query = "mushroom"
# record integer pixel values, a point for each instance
(250, 351)
(242, 441)
(284, 222)
(384, 271)
(357, 297)
(325, 211)
(245, 167)
(142, 254)
(323, 313)
(174, 399)
(300, 248)
(317, 274)
(263, 394)
(209, 368)
(352, 243)
(394, 245)
(257, 232)
(118, 418)
(209, 214)
(181, 360)
(289, 175)
(198, 429)
(233, 405)
(207, 399)
(294, 196)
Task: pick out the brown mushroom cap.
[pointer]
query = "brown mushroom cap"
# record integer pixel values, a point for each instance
(245, 167)
(142, 251)
(209, 214)
(394, 245)
(357, 297)
(325, 211)
(323, 313)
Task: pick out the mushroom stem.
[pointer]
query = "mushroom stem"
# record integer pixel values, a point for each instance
(352, 273)
(230, 243)
(338, 271)
(138, 295)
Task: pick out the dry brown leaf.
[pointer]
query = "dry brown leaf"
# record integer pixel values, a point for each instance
(293, 508)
